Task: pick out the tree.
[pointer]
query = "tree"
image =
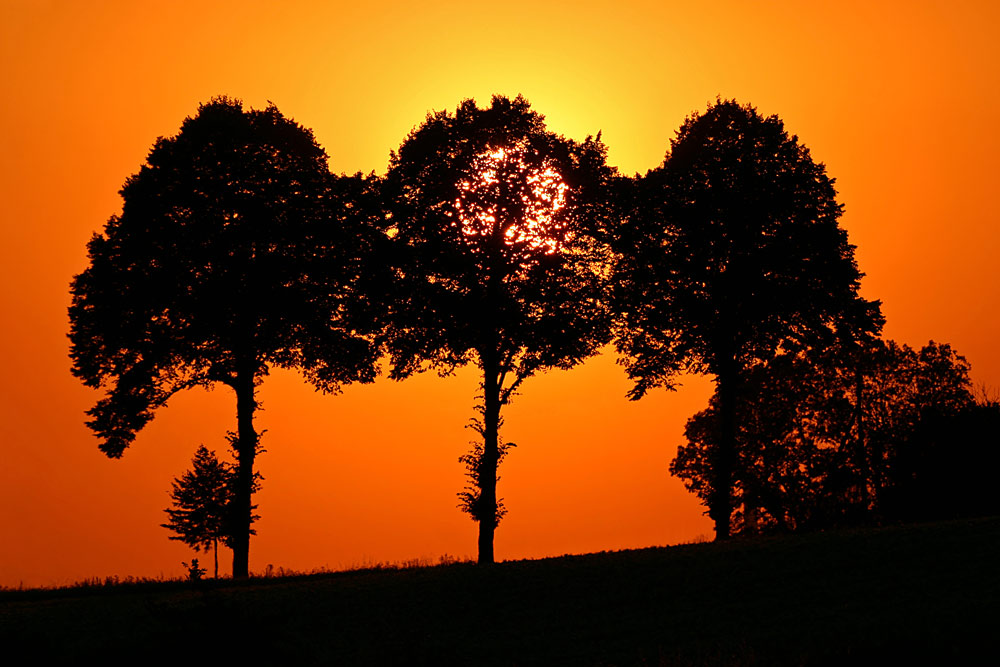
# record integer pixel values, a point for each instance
(801, 462)
(236, 250)
(733, 253)
(496, 225)
(202, 500)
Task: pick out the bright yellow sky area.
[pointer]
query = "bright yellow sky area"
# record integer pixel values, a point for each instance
(899, 99)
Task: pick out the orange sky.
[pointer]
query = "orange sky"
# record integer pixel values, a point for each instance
(900, 100)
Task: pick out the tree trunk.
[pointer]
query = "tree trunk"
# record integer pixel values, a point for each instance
(246, 446)
(862, 455)
(215, 551)
(720, 509)
(491, 456)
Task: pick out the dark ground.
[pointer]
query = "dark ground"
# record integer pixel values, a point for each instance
(919, 594)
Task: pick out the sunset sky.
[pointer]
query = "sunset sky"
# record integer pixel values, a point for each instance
(900, 100)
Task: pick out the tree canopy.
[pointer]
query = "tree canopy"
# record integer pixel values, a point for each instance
(497, 224)
(733, 253)
(236, 250)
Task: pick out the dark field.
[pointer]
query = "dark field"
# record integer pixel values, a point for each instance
(923, 594)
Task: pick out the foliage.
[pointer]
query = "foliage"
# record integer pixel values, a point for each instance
(471, 497)
(497, 225)
(486, 258)
(201, 499)
(212, 264)
(844, 435)
(236, 250)
(733, 254)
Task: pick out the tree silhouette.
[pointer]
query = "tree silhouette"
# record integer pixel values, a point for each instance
(202, 499)
(236, 250)
(733, 254)
(798, 463)
(495, 220)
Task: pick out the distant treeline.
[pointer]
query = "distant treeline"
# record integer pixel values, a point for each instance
(495, 242)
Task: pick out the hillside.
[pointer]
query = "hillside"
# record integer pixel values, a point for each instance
(922, 593)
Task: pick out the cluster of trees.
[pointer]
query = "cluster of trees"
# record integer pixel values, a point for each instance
(838, 436)
(490, 241)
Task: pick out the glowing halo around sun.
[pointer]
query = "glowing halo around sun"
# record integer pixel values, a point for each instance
(524, 200)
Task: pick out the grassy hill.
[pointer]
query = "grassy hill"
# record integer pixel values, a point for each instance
(924, 594)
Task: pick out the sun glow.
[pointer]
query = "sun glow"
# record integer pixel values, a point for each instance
(513, 194)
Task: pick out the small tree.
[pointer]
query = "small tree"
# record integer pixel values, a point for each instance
(496, 224)
(202, 512)
(195, 571)
(732, 254)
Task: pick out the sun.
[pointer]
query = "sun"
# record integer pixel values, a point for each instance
(514, 195)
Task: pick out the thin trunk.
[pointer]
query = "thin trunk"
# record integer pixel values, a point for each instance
(246, 404)
(720, 508)
(863, 467)
(491, 457)
(215, 551)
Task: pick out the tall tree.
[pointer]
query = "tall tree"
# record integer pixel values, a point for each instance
(732, 254)
(235, 251)
(496, 222)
